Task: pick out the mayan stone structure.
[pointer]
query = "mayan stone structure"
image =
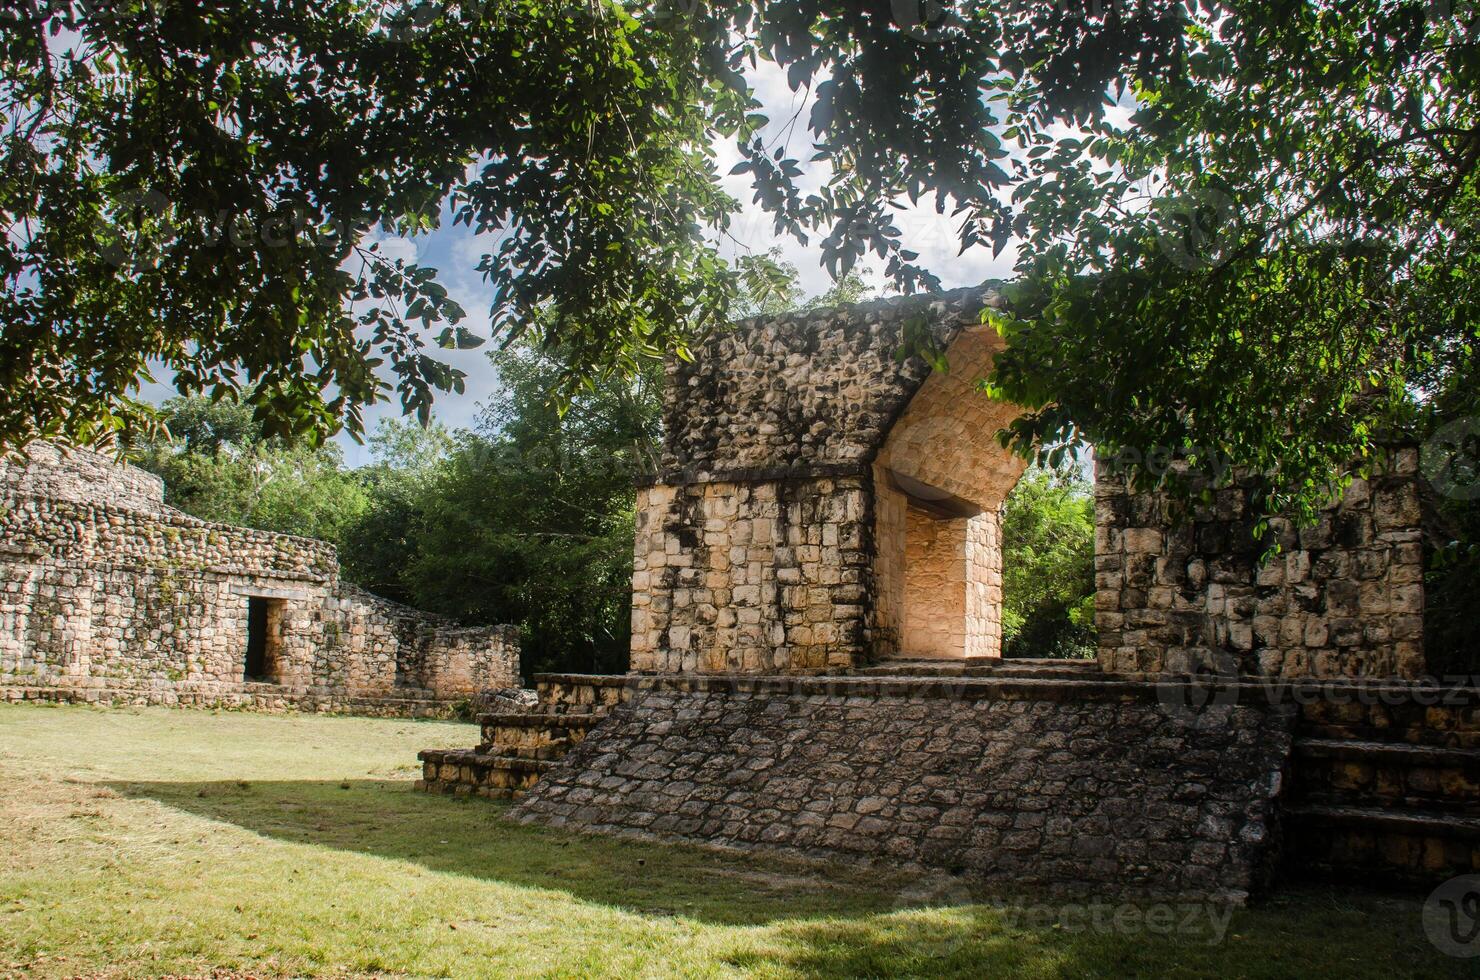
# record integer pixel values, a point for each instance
(816, 650)
(107, 594)
(1186, 589)
(1016, 784)
(822, 504)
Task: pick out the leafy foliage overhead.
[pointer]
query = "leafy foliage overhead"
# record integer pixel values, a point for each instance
(1245, 226)
(196, 186)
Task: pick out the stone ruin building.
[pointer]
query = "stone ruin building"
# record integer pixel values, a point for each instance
(109, 595)
(816, 647)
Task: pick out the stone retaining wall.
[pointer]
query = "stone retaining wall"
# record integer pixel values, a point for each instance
(1079, 788)
(106, 594)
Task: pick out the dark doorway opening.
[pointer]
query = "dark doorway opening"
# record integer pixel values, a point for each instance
(261, 660)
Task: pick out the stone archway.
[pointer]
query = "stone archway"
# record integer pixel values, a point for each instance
(939, 482)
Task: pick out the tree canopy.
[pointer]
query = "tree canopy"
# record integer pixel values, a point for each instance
(1048, 566)
(1245, 227)
(216, 465)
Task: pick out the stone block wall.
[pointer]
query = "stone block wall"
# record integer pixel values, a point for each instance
(1190, 590)
(823, 503)
(804, 391)
(1027, 785)
(750, 576)
(44, 471)
(935, 593)
(787, 530)
(107, 594)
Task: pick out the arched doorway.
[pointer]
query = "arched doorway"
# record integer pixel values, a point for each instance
(939, 482)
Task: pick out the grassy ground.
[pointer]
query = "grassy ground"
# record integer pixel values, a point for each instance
(156, 842)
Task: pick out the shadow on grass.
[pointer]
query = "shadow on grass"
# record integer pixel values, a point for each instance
(829, 922)
(469, 837)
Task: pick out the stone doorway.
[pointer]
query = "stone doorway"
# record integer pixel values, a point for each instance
(939, 482)
(952, 578)
(263, 660)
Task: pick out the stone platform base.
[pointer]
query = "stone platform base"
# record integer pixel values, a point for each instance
(411, 703)
(1075, 785)
(1387, 784)
(1048, 776)
(519, 747)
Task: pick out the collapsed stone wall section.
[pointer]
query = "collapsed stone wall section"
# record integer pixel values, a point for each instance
(106, 594)
(1186, 590)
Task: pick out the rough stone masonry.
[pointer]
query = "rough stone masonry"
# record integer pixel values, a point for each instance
(816, 650)
(1028, 785)
(824, 505)
(107, 594)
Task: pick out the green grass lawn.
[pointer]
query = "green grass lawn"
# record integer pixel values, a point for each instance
(166, 843)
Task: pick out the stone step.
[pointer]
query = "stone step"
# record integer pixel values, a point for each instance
(983, 667)
(1087, 663)
(550, 750)
(1448, 717)
(584, 691)
(1388, 774)
(534, 733)
(1381, 844)
(478, 772)
(574, 718)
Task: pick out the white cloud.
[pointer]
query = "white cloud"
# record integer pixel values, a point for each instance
(393, 247)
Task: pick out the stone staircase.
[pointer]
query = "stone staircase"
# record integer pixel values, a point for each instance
(1388, 790)
(519, 747)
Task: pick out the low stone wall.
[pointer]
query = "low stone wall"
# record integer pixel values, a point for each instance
(1192, 590)
(269, 698)
(115, 597)
(1062, 786)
